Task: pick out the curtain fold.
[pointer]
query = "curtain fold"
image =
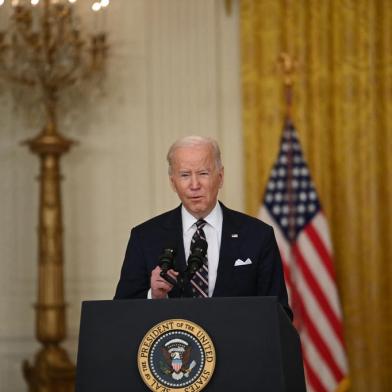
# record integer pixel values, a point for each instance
(342, 109)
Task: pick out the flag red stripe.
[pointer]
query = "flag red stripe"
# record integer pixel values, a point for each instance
(306, 323)
(321, 249)
(312, 378)
(321, 345)
(295, 299)
(318, 294)
(302, 320)
(288, 281)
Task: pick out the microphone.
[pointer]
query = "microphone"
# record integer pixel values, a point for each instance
(166, 259)
(197, 257)
(166, 262)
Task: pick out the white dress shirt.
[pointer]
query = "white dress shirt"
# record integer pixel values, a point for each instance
(213, 232)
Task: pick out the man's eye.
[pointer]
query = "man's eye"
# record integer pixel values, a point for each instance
(204, 173)
(184, 175)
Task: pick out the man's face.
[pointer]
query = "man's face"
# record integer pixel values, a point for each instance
(196, 179)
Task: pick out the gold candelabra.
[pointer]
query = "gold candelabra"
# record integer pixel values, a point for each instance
(44, 49)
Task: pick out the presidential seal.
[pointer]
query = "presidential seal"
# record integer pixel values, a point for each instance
(176, 355)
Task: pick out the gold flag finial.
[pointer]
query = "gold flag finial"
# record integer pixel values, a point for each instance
(288, 65)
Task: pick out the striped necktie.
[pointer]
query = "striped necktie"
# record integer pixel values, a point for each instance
(200, 279)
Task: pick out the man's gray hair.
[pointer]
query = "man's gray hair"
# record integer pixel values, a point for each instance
(189, 141)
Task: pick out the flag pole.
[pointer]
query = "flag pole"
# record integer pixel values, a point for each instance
(288, 65)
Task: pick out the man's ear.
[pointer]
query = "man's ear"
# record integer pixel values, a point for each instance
(172, 183)
(222, 176)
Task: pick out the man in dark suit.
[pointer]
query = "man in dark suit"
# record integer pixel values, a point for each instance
(242, 257)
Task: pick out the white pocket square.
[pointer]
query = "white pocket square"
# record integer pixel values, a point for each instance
(239, 262)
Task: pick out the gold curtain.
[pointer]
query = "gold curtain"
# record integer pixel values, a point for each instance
(343, 113)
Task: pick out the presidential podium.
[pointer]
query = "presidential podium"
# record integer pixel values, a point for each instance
(188, 344)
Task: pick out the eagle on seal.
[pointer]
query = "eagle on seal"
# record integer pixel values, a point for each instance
(177, 354)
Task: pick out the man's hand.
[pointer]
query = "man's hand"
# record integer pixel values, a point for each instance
(159, 286)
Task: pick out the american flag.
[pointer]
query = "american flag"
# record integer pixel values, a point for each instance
(292, 207)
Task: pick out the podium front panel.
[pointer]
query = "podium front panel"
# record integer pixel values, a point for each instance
(248, 334)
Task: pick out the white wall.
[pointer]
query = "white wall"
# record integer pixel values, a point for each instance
(174, 71)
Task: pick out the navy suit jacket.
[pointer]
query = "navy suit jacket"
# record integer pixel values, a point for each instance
(252, 239)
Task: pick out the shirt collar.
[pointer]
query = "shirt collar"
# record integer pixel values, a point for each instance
(214, 218)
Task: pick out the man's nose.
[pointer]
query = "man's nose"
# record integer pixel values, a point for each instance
(195, 184)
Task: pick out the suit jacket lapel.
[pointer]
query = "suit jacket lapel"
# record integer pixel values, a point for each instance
(173, 227)
(228, 249)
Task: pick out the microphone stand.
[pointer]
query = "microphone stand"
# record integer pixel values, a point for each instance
(181, 283)
(184, 281)
(168, 278)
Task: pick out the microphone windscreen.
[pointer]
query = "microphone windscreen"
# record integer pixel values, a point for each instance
(166, 259)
